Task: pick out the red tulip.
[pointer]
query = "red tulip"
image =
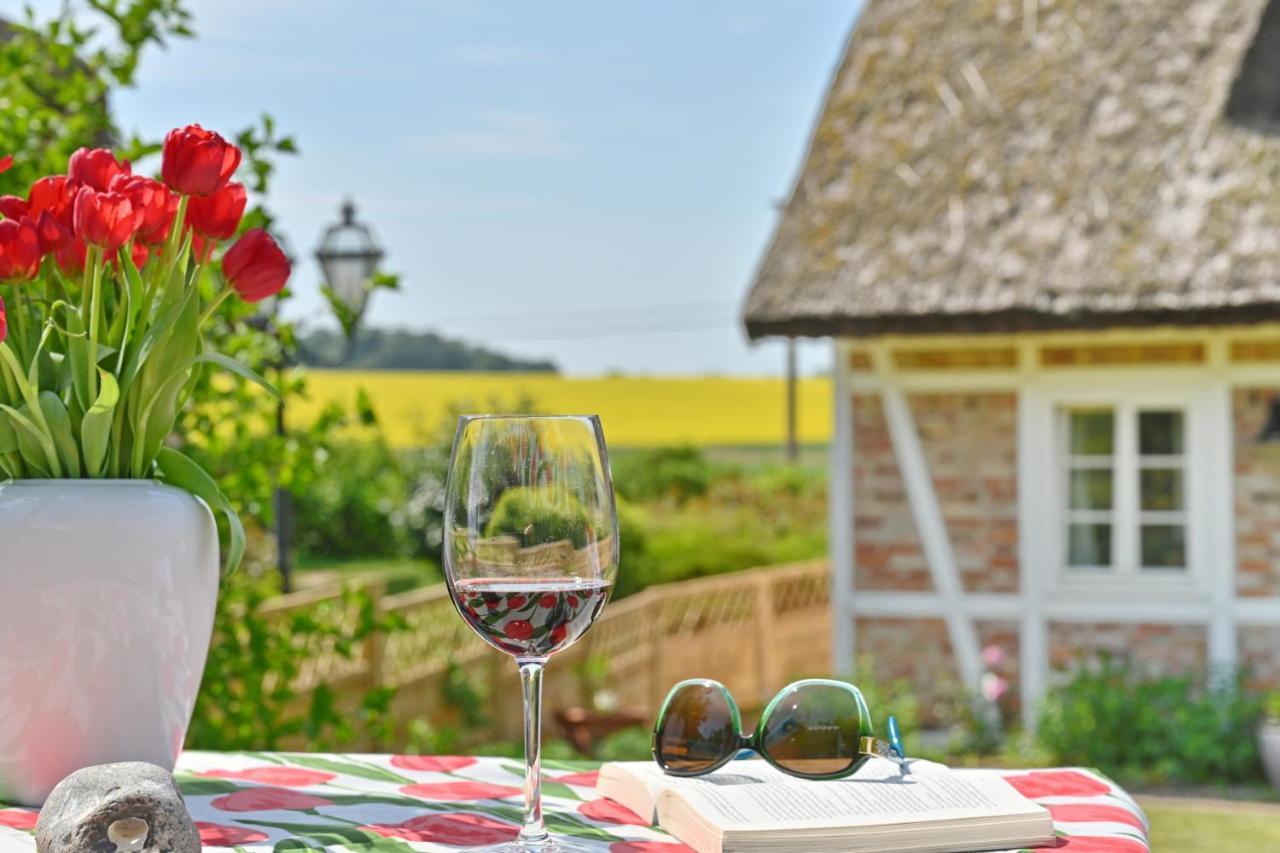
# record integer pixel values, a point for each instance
(256, 266)
(5, 162)
(201, 249)
(19, 250)
(12, 207)
(139, 253)
(217, 216)
(105, 220)
(95, 167)
(71, 258)
(156, 206)
(55, 194)
(52, 233)
(197, 161)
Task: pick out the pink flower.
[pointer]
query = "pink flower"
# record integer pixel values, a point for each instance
(1093, 813)
(286, 777)
(649, 847)
(457, 829)
(432, 763)
(993, 655)
(992, 686)
(268, 799)
(218, 835)
(1057, 783)
(460, 790)
(18, 818)
(607, 811)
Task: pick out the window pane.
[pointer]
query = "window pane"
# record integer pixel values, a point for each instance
(1089, 544)
(1089, 488)
(1159, 433)
(1164, 546)
(1162, 488)
(1091, 432)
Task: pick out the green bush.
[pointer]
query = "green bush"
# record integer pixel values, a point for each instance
(671, 473)
(357, 505)
(246, 699)
(1153, 729)
(539, 514)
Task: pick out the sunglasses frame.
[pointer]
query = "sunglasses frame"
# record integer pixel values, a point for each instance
(867, 743)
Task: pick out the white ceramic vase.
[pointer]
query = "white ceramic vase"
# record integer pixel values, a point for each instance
(107, 596)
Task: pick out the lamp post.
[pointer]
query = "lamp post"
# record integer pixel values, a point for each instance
(349, 256)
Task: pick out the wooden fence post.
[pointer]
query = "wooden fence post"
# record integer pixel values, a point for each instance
(766, 638)
(376, 642)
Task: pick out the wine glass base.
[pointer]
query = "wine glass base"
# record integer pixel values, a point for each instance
(553, 844)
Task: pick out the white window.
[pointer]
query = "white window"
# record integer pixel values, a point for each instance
(1123, 489)
(1121, 498)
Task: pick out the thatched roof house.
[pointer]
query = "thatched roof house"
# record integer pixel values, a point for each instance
(1009, 165)
(1045, 236)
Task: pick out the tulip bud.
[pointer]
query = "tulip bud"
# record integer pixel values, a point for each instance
(197, 161)
(256, 267)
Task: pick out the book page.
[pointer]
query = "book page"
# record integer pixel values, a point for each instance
(764, 799)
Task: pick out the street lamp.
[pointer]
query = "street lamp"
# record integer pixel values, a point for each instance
(349, 256)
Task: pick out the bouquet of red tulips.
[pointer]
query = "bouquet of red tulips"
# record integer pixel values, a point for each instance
(106, 279)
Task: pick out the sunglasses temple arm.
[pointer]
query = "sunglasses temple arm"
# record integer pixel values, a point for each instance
(890, 749)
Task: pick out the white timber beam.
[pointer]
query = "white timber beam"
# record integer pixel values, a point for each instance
(930, 525)
(840, 517)
(1222, 644)
(1033, 632)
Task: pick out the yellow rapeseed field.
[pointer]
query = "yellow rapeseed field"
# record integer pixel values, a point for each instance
(636, 411)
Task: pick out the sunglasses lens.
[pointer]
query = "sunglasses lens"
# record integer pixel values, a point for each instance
(696, 729)
(814, 729)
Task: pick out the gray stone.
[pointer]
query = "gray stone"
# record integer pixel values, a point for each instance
(103, 809)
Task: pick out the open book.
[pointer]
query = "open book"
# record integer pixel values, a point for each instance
(749, 805)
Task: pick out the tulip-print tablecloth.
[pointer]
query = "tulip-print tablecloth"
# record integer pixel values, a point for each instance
(257, 801)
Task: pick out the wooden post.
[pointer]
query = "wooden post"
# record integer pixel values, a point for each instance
(375, 645)
(657, 641)
(766, 638)
(793, 444)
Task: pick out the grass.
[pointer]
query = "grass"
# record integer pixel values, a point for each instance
(1211, 826)
(635, 410)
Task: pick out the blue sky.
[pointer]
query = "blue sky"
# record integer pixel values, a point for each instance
(592, 182)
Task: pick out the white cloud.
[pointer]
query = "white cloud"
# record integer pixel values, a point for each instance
(501, 134)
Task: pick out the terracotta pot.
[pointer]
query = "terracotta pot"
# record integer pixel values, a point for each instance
(107, 597)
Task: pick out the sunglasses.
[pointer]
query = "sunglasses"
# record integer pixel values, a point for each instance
(813, 729)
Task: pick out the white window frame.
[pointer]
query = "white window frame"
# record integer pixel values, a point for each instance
(1046, 449)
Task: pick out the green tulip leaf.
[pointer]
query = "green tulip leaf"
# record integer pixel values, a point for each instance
(35, 446)
(95, 428)
(180, 471)
(55, 415)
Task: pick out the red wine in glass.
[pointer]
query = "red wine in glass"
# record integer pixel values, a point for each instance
(531, 618)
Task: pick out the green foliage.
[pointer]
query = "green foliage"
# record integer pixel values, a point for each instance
(886, 698)
(247, 700)
(355, 504)
(1155, 730)
(745, 519)
(537, 514)
(633, 744)
(401, 349)
(664, 473)
(57, 75)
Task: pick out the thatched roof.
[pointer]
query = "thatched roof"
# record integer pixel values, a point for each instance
(1001, 165)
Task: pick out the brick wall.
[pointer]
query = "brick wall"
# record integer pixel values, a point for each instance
(886, 548)
(1257, 496)
(1158, 648)
(1259, 654)
(916, 651)
(970, 443)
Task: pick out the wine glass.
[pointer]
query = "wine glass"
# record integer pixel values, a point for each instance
(530, 555)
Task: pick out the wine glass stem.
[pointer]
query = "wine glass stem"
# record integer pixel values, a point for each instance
(531, 685)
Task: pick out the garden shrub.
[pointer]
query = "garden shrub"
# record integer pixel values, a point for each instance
(1113, 716)
(542, 514)
(670, 473)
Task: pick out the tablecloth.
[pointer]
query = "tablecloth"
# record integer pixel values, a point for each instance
(259, 801)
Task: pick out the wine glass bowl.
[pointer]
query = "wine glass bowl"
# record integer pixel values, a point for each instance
(530, 552)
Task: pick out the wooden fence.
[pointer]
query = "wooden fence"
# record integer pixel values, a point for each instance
(752, 630)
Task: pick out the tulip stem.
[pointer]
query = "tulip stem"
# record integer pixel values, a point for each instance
(94, 259)
(213, 306)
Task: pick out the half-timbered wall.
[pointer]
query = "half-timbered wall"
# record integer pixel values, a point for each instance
(945, 520)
